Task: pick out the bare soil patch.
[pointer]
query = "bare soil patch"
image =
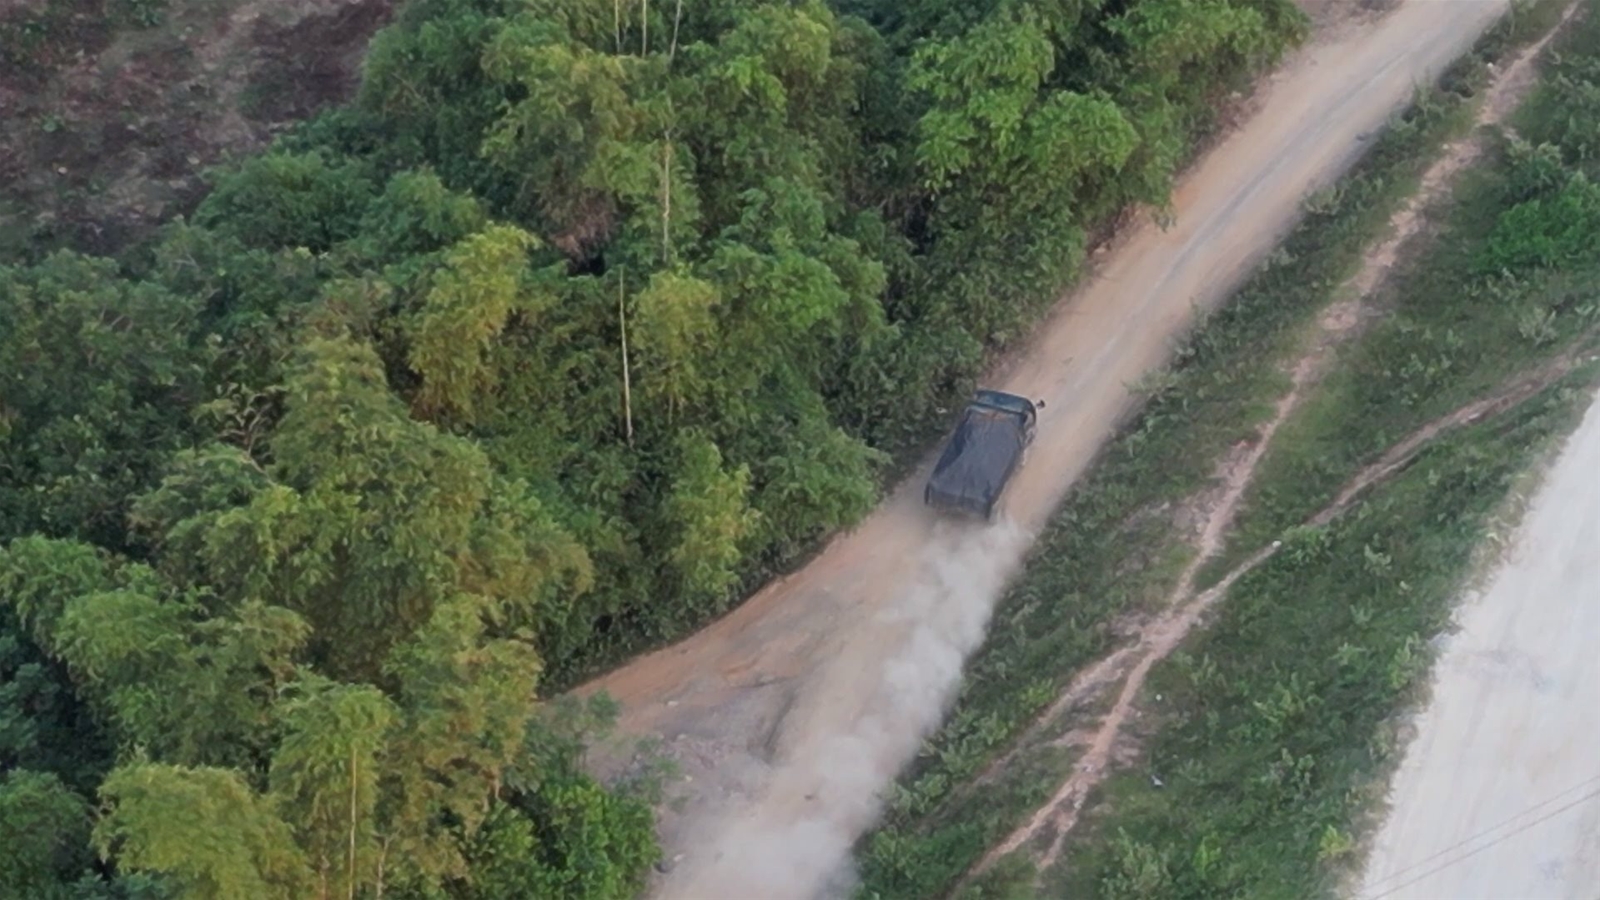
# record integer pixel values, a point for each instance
(105, 130)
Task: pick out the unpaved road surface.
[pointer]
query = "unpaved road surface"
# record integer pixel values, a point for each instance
(1499, 794)
(791, 714)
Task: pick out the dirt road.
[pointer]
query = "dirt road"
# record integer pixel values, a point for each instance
(1499, 794)
(790, 715)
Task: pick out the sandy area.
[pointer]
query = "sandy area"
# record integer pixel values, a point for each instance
(1499, 794)
(791, 714)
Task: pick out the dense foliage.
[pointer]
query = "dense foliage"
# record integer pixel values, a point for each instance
(584, 317)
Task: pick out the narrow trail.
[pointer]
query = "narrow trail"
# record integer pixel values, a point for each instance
(789, 716)
(1156, 642)
(1060, 813)
(1338, 324)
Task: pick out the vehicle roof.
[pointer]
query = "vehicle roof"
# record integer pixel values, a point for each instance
(1005, 400)
(980, 454)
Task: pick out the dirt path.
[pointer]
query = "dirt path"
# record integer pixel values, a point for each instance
(791, 714)
(1499, 794)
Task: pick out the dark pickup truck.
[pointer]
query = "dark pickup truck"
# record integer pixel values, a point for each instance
(983, 453)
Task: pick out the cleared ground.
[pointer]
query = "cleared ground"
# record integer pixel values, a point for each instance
(789, 715)
(107, 121)
(1499, 794)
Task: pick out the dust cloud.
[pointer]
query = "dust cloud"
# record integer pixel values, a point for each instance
(846, 737)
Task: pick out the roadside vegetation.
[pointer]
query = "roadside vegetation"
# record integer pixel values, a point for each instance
(1302, 659)
(584, 318)
(1267, 739)
(1508, 281)
(1273, 735)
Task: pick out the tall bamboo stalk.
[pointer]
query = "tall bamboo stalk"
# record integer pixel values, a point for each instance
(677, 16)
(666, 198)
(350, 865)
(627, 387)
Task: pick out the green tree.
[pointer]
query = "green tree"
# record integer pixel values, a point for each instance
(44, 836)
(423, 83)
(374, 518)
(466, 702)
(325, 775)
(39, 576)
(417, 214)
(555, 833)
(99, 376)
(170, 677)
(709, 515)
(822, 480)
(1174, 55)
(575, 137)
(1556, 230)
(675, 329)
(44, 725)
(175, 520)
(576, 842)
(282, 200)
(188, 688)
(480, 286)
(201, 828)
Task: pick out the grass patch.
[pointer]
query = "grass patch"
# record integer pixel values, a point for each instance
(1493, 295)
(1270, 737)
(1112, 549)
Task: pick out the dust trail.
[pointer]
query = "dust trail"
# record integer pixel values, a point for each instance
(787, 841)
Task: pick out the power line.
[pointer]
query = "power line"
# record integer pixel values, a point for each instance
(1487, 831)
(1451, 862)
